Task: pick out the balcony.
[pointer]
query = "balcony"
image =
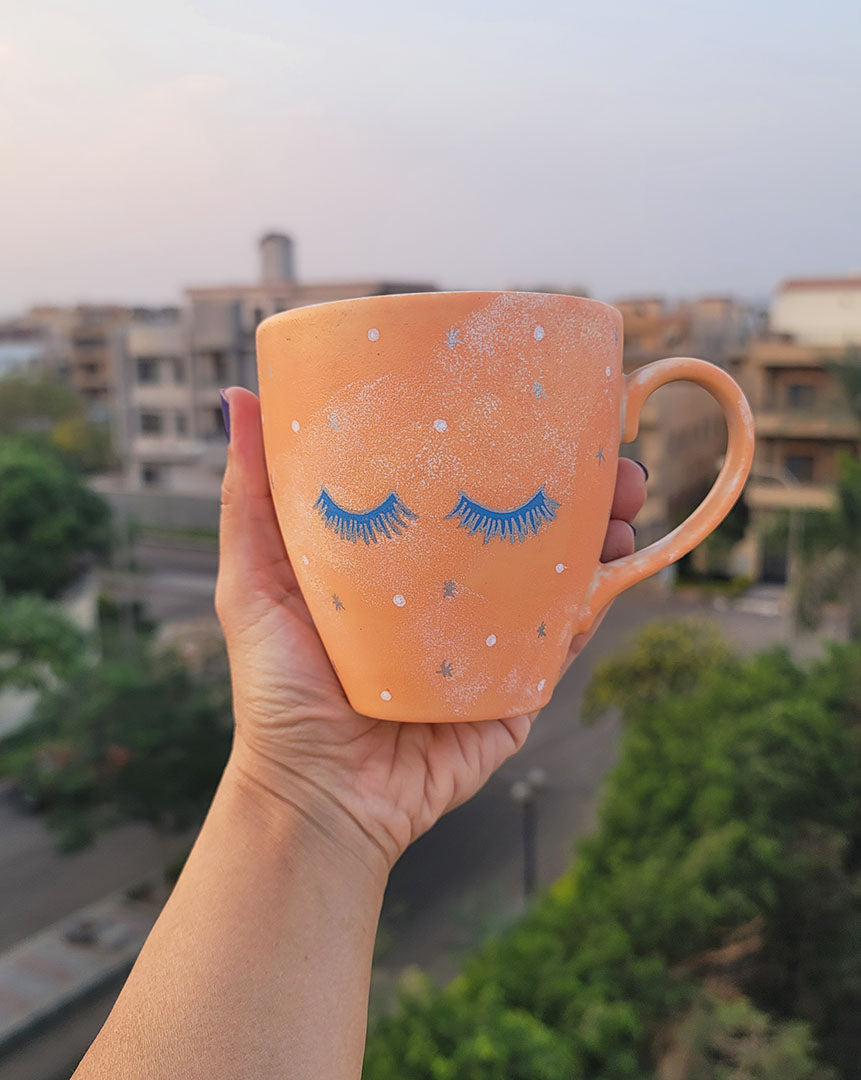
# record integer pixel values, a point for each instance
(767, 495)
(825, 422)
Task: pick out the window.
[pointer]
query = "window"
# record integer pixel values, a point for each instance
(800, 396)
(150, 475)
(178, 369)
(151, 423)
(800, 466)
(219, 368)
(181, 423)
(147, 370)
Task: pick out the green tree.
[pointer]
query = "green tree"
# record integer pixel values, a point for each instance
(831, 554)
(39, 645)
(50, 414)
(135, 739)
(733, 1040)
(51, 524)
(736, 803)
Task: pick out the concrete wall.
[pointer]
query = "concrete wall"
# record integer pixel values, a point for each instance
(819, 315)
(162, 510)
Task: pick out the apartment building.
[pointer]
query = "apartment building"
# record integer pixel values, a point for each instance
(82, 349)
(803, 417)
(174, 366)
(682, 431)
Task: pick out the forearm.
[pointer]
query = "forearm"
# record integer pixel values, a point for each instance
(259, 965)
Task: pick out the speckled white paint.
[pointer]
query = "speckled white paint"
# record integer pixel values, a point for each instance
(541, 685)
(398, 600)
(295, 425)
(440, 425)
(385, 695)
(490, 640)
(373, 334)
(305, 560)
(607, 371)
(538, 333)
(560, 567)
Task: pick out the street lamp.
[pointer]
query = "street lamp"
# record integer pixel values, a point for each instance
(524, 792)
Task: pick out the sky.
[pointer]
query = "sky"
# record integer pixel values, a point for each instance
(624, 146)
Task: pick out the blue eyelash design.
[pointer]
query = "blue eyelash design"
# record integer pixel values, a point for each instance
(389, 519)
(514, 524)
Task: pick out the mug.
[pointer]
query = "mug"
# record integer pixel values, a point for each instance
(442, 466)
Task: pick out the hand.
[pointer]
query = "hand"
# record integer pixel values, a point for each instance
(371, 785)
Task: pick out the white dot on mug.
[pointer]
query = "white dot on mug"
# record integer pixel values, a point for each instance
(295, 425)
(399, 600)
(373, 334)
(490, 640)
(385, 695)
(560, 567)
(607, 371)
(541, 685)
(440, 425)
(305, 559)
(538, 333)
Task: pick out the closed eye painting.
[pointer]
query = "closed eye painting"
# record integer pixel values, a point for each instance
(388, 519)
(512, 525)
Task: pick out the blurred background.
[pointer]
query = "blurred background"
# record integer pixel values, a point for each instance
(665, 882)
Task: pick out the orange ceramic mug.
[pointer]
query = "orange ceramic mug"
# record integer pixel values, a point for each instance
(443, 466)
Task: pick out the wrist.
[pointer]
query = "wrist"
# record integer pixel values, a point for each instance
(290, 811)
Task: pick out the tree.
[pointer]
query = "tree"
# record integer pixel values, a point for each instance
(733, 1040)
(50, 414)
(39, 645)
(831, 554)
(736, 804)
(133, 739)
(51, 524)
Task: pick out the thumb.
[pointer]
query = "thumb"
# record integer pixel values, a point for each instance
(250, 543)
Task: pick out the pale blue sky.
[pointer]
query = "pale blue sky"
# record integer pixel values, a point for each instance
(678, 147)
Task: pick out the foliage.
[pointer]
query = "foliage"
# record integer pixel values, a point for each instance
(733, 1040)
(51, 524)
(132, 739)
(38, 643)
(52, 414)
(831, 554)
(736, 803)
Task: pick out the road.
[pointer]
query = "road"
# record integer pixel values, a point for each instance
(460, 881)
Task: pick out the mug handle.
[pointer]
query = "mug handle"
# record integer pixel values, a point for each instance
(613, 578)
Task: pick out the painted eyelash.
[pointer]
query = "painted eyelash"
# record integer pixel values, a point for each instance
(514, 524)
(388, 519)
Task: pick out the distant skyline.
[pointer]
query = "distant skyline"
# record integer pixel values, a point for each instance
(669, 147)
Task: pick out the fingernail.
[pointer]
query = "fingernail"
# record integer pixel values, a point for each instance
(643, 467)
(633, 526)
(225, 412)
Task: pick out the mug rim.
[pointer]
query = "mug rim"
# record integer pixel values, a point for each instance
(442, 294)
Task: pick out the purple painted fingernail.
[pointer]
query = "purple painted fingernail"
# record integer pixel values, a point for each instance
(225, 412)
(643, 467)
(633, 526)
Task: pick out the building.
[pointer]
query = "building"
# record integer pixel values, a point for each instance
(819, 311)
(682, 431)
(803, 417)
(23, 348)
(155, 403)
(174, 364)
(82, 349)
